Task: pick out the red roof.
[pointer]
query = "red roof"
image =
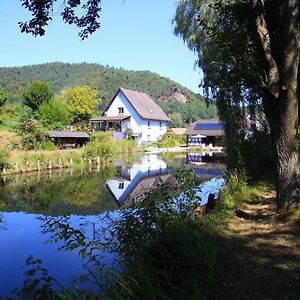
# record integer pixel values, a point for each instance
(143, 104)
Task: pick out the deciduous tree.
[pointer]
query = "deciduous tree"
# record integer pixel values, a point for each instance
(54, 115)
(82, 102)
(249, 54)
(37, 93)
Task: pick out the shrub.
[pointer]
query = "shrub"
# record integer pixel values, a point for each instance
(101, 144)
(54, 115)
(45, 145)
(235, 192)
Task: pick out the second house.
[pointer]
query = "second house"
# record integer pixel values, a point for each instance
(135, 115)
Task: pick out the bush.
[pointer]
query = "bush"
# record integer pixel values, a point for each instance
(235, 192)
(45, 145)
(101, 144)
(54, 115)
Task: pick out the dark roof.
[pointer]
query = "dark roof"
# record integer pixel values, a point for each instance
(143, 104)
(207, 127)
(68, 134)
(110, 118)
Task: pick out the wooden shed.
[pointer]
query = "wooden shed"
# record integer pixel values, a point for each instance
(69, 139)
(204, 132)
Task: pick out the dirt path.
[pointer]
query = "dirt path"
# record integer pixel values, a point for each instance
(265, 253)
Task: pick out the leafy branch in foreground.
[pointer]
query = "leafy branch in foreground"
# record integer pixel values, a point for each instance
(42, 12)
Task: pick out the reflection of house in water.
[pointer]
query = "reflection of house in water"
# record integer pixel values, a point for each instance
(133, 183)
(206, 165)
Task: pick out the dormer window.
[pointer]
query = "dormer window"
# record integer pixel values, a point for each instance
(121, 110)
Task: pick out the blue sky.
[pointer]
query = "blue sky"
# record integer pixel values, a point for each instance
(134, 35)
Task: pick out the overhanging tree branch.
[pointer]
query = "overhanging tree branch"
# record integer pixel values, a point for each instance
(42, 11)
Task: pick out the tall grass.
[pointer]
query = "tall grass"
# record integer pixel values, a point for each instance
(101, 145)
(180, 260)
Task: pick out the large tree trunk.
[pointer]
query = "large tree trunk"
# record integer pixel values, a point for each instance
(281, 48)
(286, 150)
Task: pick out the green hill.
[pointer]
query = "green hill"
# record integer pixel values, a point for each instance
(107, 80)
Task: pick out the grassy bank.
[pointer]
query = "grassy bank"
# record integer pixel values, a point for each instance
(98, 152)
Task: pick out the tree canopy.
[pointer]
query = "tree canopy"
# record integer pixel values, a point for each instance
(54, 115)
(249, 54)
(37, 93)
(3, 98)
(82, 102)
(42, 14)
(107, 80)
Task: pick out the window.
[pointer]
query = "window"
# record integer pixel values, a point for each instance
(149, 137)
(121, 185)
(121, 110)
(160, 125)
(149, 124)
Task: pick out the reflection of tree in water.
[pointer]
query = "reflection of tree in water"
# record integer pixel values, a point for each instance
(79, 193)
(111, 241)
(3, 225)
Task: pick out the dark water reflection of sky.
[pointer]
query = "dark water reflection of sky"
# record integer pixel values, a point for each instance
(82, 195)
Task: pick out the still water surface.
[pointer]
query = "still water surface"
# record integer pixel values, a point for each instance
(80, 197)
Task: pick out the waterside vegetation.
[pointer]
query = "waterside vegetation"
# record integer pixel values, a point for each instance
(152, 268)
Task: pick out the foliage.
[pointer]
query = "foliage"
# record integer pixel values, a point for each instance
(30, 130)
(102, 144)
(106, 80)
(237, 43)
(9, 117)
(42, 12)
(37, 93)
(145, 237)
(38, 283)
(235, 192)
(3, 157)
(82, 102)
(176, 119)
(3, 98)
(160, 270)
(54, 115)
(170, 139)
(190, 112)
(263, 165)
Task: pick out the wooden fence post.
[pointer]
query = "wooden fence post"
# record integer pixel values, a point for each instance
(4, 172)
(60, 165)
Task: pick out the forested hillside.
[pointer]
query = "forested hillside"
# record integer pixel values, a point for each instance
(107, 80)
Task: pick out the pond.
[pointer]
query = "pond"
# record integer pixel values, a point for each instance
(82, 196)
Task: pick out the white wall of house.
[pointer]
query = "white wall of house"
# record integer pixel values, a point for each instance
(151, 130)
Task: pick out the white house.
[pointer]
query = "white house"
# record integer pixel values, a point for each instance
(135, 114)
(132, 184)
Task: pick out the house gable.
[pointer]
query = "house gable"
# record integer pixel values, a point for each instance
(137, 111)
(145, 107)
